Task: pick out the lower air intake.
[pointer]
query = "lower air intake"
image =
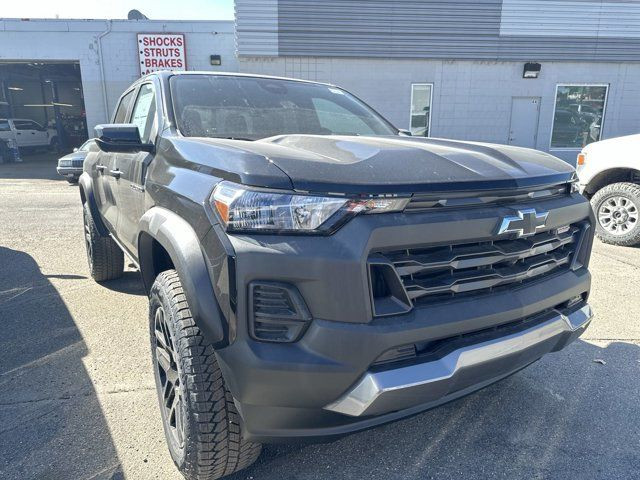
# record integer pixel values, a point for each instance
(277, 312)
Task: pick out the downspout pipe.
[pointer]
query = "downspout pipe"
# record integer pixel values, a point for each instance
(102, 72)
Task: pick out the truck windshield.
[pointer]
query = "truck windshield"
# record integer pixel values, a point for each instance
(250, 108)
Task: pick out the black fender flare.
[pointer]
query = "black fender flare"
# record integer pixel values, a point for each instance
(86, 195)
(181, 242)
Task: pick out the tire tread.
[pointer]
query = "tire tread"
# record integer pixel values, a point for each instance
(108, 258)
(621, 188)
(214, 446)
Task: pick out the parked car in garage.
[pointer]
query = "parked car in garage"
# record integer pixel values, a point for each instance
(28, 134)
(312, 272)
(609, 175)
(70, 166)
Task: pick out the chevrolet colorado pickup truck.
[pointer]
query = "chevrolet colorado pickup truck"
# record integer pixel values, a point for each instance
(312, 271)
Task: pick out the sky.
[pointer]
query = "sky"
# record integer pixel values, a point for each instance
(154, 9)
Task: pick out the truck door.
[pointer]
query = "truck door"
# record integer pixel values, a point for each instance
(132, 168)
(25, 133)
(105, 176)
(39, 135)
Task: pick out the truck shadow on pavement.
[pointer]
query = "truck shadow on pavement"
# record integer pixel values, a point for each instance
(130, 283)
(567, 416)
(51, 422)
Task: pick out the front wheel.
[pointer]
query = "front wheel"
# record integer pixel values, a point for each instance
(617, 210)
(200, 420)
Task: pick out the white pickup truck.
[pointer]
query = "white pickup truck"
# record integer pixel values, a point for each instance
(28, 133)
(609, 175)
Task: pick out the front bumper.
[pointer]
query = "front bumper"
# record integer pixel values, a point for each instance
(69, 172)
(313, 389)
(463, 368)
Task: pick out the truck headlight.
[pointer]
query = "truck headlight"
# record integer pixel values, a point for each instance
(242, 208)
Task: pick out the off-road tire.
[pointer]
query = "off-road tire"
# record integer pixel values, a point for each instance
(627, 190)
(105, 258)
(212, 444)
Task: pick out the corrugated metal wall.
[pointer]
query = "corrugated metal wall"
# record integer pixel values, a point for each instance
(257, 27)
(582, 18)
(597, 30)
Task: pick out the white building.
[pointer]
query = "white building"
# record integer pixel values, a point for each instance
(552, 75)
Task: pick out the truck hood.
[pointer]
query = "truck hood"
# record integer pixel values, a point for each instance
(614, 148)
(393, 164)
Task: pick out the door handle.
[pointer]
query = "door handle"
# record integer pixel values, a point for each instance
(115, 173)
(101, 168)
(33, 133)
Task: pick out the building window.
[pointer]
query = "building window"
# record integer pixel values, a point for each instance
(421, 96)
(578, 115)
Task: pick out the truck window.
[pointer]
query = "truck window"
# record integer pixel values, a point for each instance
(252, 108)
(4, 126)
(337, 119)
(144, 111)
(123, 107)
(26, 125)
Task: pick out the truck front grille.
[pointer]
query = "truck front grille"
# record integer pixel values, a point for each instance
(443, 272)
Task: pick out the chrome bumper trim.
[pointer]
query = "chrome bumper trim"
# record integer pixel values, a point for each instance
(381, 392)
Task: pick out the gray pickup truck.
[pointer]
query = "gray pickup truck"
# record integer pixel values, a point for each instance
(312, 271)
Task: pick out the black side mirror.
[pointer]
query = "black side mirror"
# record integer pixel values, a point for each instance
(121, 137)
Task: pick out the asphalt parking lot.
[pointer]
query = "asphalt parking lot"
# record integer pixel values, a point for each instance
(77, 399)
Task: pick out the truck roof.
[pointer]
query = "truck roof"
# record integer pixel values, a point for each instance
(169, 73)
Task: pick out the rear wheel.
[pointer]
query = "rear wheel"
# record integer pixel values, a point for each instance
(106, 260)
(200, 420)
(617, 210)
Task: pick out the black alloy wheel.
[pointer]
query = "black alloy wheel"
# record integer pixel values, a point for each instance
(167, 370)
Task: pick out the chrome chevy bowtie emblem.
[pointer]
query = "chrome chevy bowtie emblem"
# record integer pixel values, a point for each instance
(526, 223)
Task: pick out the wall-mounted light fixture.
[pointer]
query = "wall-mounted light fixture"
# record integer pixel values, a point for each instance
(531, 70)
(17, 89)
(215, 60)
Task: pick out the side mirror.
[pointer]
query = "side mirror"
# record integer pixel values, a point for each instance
(121, 137)
(404, 133)
(75, 149)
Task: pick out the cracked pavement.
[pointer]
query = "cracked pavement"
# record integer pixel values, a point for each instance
(77, 398)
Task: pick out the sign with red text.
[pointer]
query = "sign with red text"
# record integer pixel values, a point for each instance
(161, 51)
